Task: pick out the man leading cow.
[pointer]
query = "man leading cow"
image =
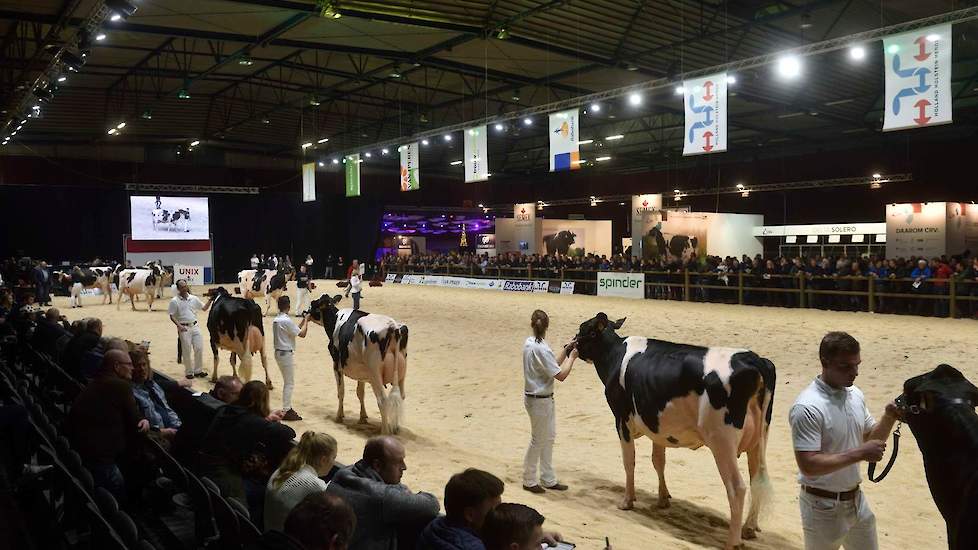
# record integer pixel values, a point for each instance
(833, 432)
(183, 313)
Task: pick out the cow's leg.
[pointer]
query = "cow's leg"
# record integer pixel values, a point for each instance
(363, 409)
(724, 447)
(659, 462)
(628, 459)
(234, 365)
(150, 296)
(214, 351)
(761, 491)
(339, 394)
(264, 364)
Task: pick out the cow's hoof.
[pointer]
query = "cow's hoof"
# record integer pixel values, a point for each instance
(338, 418)
(749, 533)
(363, 420)
(626, 504)
(663, 503)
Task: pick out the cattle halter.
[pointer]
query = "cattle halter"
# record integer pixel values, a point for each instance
(889, 465)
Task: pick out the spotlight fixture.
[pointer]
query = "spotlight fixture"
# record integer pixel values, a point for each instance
(246, 60)
(585, 142)
(385, 151)
(314, 101)
(307, 145)
(100, 36)
(857, 53)
(481, 205)
(425, 142)
(72, 61)
(595, 107)
(745, 193)
(789, 66)
(324, 140)
(499, 127)
(121, 125)
(602, 159)
(336, 161)
(680, 90)
(740, 186)
(877, 176)
(367, 154)
(615, 137)
(62, 78)
(503, 33)
(147, 115)
(183, 94)
(676, 191)
(448, 137)
(120, 9)
(635, 99)
(195, 143)
(875, 185)
(113, 131)
(731, 79)
(527, 121)
(266, 121)
(516, 94)
(321, 164)
(455, 163)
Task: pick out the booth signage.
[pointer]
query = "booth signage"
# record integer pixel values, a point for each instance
(623, 285)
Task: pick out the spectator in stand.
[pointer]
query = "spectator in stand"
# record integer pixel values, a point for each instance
(513, 527)
(299, 476)
(920, 275)
(383, 505)
(42, 284)
(942, 272)
(81, 344)
(151, 399)
(254, 261)
(104, 422)
(320, 522)
(227, 388)
(970, 287)
(92, 360)
(51, 329)
(469, 496)
(242, 447)
(190, 436)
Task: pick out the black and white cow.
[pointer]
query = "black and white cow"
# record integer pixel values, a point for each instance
(676, 247)
(179, 219)
(368, 348)
(939, 407)
(679, 395)
(559, 243)
(85, 277)
(143, 281)
(235, 324)
(255, 283)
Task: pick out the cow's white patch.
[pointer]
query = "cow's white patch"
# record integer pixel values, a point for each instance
(633, 346)
(718, 360)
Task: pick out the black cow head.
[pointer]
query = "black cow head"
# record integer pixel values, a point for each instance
(323, 311)
(926, 394)
(590, 335)
(217, 292)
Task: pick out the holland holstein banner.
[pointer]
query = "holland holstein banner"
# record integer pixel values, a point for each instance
(309, 182)
(564, 152)
(705, 102)
(476, 155)
(352, 168)
(410, 173)
(917, 70)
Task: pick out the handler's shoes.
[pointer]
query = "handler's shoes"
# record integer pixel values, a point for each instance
(558, 487)
(535, 489)
(200, 374)
(190, 377)
(291, 416)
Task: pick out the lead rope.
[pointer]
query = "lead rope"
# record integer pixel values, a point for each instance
(886, 469)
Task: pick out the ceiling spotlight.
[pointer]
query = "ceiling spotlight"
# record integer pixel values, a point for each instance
(246, 61)
(113, 131)
(595, 107)
(875, 185)
(100, 36)
(448, 137)
(740, 186)
(120, 9)
(62, 78)
(602, 159)
(72, 61)
(121, 125)
(857, 53)
(789, 66)
(635, 99)
(806, 21)
(499, 127)
(314, 101)
(367, 154)
(195, 143)
(680, 90)
(424, 142)
(455, 162)
(745, 193)
(527, 121)
(336, 161)
(615, 137)
(147, 115)
(585, 142)
(503, 33)
(307, 145)
(115, 17)
(384, 151)
(516, 94)
(877, 176)
(183, 94)
(324, 140)
(731, 79)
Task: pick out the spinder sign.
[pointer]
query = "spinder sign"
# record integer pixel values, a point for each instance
(193, 274)
(623, 285)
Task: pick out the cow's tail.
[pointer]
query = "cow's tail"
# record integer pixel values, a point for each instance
(761, 490)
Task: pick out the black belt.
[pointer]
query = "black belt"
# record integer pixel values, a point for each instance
(284, 351)
(845, 495)
(188, 324)
(538, 396)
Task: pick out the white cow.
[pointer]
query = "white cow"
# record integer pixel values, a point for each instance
(368, 348)
(145, 281)
(82, 278)
(255, 283)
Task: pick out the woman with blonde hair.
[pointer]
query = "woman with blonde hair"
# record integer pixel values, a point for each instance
(540, 369)
(298, 476)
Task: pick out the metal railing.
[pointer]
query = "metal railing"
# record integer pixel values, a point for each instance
(953, 297)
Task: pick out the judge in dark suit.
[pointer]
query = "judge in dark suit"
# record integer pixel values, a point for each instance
(42, 284)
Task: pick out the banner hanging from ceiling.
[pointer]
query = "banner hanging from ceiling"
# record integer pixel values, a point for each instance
(646, 212)
(564, 152)
(705, 102)
(476, 154)
(410, 173)
(309, 182)
(917, 70)
(351, 165)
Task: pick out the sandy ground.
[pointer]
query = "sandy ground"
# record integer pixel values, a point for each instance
(464, 405)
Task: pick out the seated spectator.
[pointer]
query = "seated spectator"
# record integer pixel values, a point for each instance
(92, 359)
(319, 522)
(241, 448)
(150, 397)
(468, 498)
(81, 344)
(383, 506)
(298, 476)
(227, 388)
(513, 527)
(51, 328)
(104, 422)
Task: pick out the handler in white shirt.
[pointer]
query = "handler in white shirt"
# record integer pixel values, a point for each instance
(833, 433)
(540, 369)
(183, 313)
(284, 331)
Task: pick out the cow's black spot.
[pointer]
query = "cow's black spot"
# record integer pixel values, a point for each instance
(743, 385)
(131, 277)
(672, 440)
(278, 282)
(715, 390)
(345, 335)
(231, 316)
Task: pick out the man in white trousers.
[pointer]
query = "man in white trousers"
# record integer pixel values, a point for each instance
(183, 313)
(284, 332)
(833, 434)
(301, 290)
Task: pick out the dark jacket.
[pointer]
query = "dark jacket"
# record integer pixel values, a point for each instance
(76, 349)
(102, 422)
(444, 534)
(381, 508)
(46, 336)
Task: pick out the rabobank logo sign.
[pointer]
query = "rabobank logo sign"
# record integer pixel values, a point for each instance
(624, 285)
(518, 286)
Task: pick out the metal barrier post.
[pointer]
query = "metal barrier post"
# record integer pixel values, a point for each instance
(951, 311)
(561, 276)
(872, 294)
(801, 288)
(740, 287)
(685, 285)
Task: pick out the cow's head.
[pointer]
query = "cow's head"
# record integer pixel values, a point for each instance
(590, 336)
(568, 235)
(323, 311)
(928, 394)
(217, 292)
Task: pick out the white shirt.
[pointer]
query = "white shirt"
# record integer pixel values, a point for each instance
(284, 331)
(254, 262)
(184, 310)
(355, 282)
(279, 501)
(539, 367)
(309, 260)
(831, 421)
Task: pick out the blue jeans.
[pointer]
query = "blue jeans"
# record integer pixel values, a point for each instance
(109, 476)
(356, 300)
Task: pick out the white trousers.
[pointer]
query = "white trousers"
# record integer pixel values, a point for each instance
(543, 431)
(75, 299)
(192, 345)
(286, 363)
(301, 300)
(829, 524)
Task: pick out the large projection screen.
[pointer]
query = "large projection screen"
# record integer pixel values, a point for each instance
(156, 218)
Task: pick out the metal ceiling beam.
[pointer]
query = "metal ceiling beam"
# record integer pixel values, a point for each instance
(140, 64)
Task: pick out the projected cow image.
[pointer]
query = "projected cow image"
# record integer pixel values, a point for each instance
(169, 218)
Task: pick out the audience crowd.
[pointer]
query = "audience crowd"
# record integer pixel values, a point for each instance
(774, 281)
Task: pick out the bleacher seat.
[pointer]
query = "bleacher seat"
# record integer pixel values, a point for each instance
(205, 526)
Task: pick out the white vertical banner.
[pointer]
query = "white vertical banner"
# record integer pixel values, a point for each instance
(476, 154)
(917, 70)
(705, 102)
(309, 182)
(410, 173)
(645, 213)
(564, 152)
(525, 223)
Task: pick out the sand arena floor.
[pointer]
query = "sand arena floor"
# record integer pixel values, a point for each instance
(465, 408)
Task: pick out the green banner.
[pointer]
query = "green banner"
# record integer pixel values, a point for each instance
(352, 175)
